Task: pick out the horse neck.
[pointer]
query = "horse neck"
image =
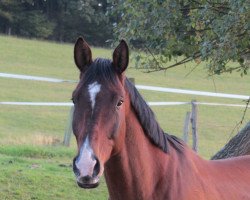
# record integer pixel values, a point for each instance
(138, 169)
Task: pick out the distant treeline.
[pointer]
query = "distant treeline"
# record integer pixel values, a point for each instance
(59, 20)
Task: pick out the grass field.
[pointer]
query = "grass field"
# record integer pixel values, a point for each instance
(34, 164)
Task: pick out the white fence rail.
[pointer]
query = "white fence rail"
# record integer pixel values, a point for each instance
(66, 104)
(192, 92)
(140, 87)
(34, 78)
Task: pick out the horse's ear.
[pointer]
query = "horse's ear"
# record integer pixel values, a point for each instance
(121, 57)
(82, 54)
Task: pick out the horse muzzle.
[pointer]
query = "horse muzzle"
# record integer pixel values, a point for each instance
(88, 182)
(87, 172)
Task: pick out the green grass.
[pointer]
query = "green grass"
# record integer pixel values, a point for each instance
(34, 164)
(25, 178)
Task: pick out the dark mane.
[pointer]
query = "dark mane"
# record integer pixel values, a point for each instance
(149, 124)
(102, 70)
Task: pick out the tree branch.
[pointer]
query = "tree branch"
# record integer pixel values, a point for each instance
(183, 61)
(242, 119)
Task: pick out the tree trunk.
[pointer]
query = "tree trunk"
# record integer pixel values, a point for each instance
(239, 145)
(8, 30)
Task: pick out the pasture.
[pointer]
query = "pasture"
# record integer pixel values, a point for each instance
(33, 162)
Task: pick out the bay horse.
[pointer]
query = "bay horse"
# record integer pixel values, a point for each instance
(117, 135)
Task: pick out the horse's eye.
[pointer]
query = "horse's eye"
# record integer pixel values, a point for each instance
(119, 103)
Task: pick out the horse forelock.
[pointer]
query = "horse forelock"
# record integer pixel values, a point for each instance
(100, 70)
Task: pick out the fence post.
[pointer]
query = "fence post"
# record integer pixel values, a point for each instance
(68, 129)
(194, 125)
(186, 127)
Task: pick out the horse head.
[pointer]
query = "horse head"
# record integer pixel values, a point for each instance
(99, 116)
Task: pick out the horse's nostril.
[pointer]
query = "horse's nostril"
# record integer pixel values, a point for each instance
(75, 170)
(96, 168)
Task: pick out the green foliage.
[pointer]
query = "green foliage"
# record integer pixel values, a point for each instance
(82, 18)
(34, 24)
(7, 13)
(59, 20)
(215, 31)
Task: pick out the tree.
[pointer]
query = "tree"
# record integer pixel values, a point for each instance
(7, 17)
(33, 24)
(75, 17)
(61, 20)
(239, 145)
(24, 18)
(215, 31)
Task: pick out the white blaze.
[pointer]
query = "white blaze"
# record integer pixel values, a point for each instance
(94, 89)
(85, 162)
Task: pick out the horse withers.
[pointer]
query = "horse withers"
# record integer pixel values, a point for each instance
(117, 134)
